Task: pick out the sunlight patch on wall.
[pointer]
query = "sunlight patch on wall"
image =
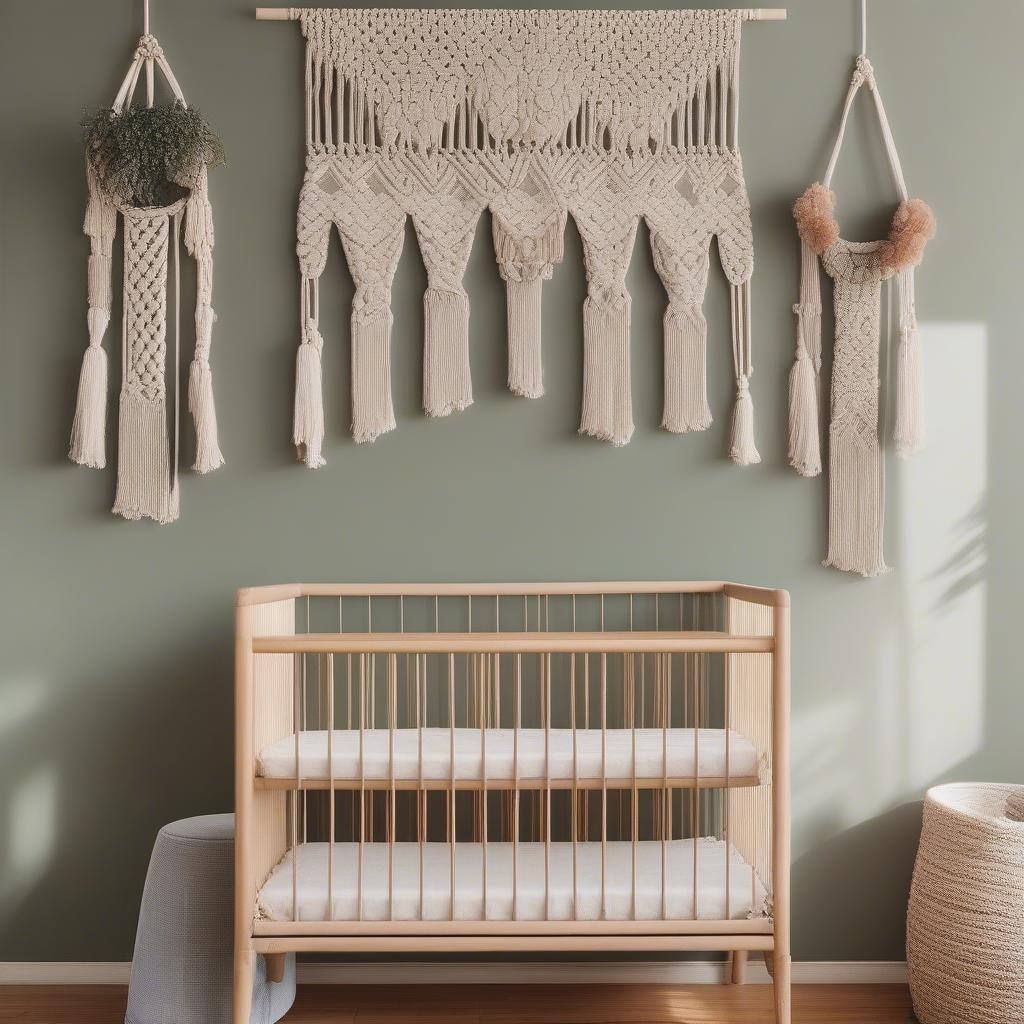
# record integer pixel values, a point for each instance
(20, 700)
(30, 832)
(942, 556)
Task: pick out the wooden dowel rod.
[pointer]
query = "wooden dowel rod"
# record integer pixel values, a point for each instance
(753, 14)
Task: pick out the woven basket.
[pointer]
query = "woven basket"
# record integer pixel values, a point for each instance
(965, 925)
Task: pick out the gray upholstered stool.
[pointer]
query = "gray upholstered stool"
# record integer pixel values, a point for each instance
(182, 969)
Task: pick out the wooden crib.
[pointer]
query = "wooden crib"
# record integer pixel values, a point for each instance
(512, 767)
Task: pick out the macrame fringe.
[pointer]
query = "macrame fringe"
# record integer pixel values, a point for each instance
(200, 404)
(607, 400)
(686, 397)
(907, 432)
(742, 449)
(525, 366)
(144, 485)
(373, 413)
(447, 386)
(89, 429)
(856, 508)
(308, 433)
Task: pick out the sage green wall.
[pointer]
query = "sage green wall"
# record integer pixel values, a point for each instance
(115, 679)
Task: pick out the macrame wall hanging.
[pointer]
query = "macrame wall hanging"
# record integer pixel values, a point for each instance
(858, 270)
(609, 116)
(150, 165)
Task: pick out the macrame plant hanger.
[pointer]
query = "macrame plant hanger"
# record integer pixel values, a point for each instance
(147, 472)
(856, 467)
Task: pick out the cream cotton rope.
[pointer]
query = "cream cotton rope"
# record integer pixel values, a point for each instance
(856, 470)
(609, 116)
(147, 473)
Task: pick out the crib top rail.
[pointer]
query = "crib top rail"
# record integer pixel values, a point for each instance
(765, 596)
(662, 642)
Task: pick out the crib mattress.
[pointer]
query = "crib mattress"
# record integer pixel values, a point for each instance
(706, 751)
(747, 895)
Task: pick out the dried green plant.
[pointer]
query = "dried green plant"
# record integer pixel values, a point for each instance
(149, 156)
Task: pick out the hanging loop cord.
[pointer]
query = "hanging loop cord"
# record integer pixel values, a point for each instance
(864, 74)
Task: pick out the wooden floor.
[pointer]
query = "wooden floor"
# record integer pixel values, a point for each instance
(506, 1004)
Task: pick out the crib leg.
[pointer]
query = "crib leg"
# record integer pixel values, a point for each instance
(738, 966)
(781, 983)
(275, 966)
(245, 969)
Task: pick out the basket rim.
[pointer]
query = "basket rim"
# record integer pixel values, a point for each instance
(944, 797)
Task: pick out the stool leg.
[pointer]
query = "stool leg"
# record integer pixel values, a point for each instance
(739, 966)
(245, 970)
(275, 966)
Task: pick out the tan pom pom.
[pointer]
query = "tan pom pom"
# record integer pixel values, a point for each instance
(814, 220)
(912, 227)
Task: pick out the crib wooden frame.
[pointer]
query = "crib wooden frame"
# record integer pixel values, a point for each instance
(266, 648)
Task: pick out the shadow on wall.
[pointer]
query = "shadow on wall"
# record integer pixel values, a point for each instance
(846, 924)
(59, 861)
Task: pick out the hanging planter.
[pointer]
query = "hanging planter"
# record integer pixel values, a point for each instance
(150, 165)
(149, 156)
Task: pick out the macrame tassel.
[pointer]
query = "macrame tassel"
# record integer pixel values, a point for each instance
(804, 442)
(308, 433)
(686, 397)
(200, 404)
(89, 430)
(804, 431)
(742, 449)
(607, 399)
(199, 242)
(447, 385)
(907, 431)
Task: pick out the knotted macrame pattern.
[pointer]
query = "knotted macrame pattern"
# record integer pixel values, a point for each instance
(606, 116)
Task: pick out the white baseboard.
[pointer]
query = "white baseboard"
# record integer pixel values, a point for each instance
(619, 972)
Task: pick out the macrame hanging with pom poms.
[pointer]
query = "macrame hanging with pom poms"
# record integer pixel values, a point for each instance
(857, 269)
(607, 116)
(150, 165)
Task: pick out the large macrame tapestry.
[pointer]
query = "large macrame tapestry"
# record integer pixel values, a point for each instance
(608, 116)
